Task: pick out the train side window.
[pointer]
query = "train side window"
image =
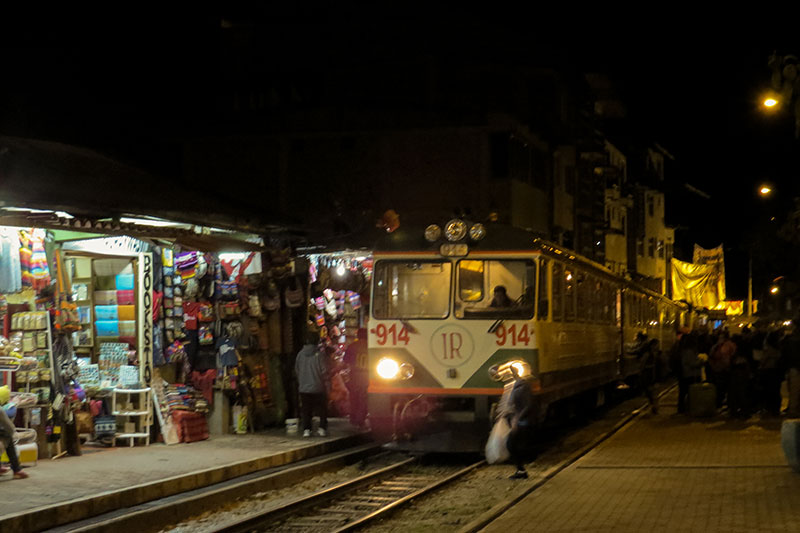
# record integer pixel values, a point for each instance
(558, 291)
(583, 307)
(544, 299)
(569, 295)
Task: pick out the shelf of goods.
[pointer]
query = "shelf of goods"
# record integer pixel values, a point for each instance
(134, 406)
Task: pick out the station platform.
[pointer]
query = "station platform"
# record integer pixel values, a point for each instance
(670, 472)
(105, 479)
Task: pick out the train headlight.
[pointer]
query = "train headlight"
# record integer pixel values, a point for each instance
(477, 232)
(388, 368)
(433, 233)
(455, 230)
(503, 372)
(406, 371)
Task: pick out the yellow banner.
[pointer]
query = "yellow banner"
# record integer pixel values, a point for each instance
(715, 257)
(697, 284)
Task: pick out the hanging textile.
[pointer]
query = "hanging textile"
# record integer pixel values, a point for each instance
(696, 284)
(716, 258)
(10, 268)
(25, 252)
(39, 270)
(33, 259)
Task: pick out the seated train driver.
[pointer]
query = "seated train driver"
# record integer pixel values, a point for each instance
(501, 298)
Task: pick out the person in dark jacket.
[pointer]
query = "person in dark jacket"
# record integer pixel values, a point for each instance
(355, 357)
(769, 374)
(691, 363)
(501, 298)
(311, 367)
(518, 408)
(790, 364)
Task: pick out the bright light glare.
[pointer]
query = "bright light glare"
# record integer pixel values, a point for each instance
(770, 102)
(340, 269)
(764, 190)
(519, 367)
(774, 290)
(388, 368)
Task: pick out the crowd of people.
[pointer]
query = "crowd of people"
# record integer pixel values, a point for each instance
(747, 369)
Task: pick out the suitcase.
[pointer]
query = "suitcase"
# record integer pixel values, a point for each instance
(702, 399)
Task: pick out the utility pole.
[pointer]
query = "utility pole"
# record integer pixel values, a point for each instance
(750, 284)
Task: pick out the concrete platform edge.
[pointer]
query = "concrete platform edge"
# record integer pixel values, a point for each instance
(51, 516)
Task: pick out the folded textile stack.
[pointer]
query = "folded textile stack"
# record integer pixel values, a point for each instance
(190, 426)
(184, 398)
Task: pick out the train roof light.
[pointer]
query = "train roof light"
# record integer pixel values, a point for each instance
(455, 230)
(433, 233)
(477, 232)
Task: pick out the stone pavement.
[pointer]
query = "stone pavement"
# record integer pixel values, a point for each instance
(668, 472)
(71, 484)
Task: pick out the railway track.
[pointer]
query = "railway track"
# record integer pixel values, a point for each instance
(352, 504)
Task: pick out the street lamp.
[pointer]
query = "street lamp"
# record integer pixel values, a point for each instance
(765, 190)
(770, 102)
(773, 289)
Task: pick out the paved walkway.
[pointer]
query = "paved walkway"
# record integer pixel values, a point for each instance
(100, 471)
(670, 473)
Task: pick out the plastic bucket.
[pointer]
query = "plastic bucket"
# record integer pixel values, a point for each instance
(291, 426)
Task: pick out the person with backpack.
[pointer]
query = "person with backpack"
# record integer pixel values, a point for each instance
(311, 366)
(719, 363)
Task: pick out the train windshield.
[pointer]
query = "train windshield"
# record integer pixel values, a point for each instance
(405, 289)
(502, 288)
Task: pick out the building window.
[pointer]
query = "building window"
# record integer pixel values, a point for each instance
(569, 177)
(651, 247)
(661, 249)
(651, 210)
(639, 247)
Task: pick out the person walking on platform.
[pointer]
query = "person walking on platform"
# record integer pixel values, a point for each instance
(645, 350)
(740, 387)
(790, 364)
(7, 431)
(769, 374)
(355, 357)
(516, 405)
(719, 362)
(691, 363)
(312, 383)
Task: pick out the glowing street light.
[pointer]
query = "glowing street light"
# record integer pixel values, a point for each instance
(773, 290)
(765, 190)
(770, 102)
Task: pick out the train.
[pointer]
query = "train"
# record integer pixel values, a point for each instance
(440, 351)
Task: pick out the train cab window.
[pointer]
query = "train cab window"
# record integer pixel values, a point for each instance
(569, 295)
(477, 281)
(411, 289)
(543, 292)
(558, 291)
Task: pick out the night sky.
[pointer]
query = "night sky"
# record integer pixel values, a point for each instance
(120, 84)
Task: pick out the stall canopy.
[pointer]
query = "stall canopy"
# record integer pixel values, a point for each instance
(84, 183)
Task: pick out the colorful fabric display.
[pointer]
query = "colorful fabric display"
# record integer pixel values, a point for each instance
(355, 301)
(126, 312)
(127, 328)
(125, 297)
(107, 328)
(105, 297)
(105, 283)
(106, 312)
(124, 282)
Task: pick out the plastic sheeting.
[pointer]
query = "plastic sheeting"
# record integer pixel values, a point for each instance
(697, 284)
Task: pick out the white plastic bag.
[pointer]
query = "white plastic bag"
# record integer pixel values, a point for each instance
(497, 445)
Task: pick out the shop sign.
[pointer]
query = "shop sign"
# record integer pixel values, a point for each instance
(145, 333)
